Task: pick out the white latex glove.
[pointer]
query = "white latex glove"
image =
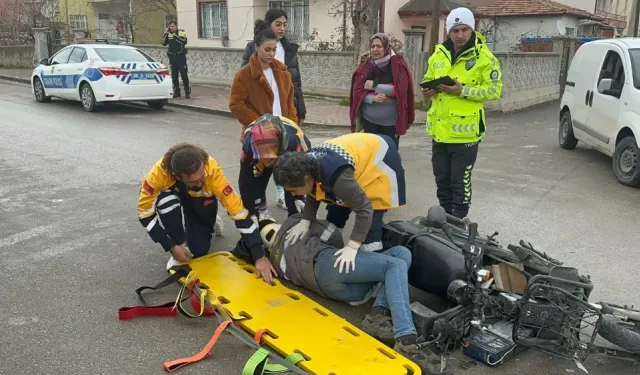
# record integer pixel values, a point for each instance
(297, 232)
(299, 205)
(347, 256)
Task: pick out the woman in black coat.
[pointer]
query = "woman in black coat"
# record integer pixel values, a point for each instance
(286, 52)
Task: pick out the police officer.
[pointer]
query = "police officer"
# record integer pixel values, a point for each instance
(456, 119)
(176, 39)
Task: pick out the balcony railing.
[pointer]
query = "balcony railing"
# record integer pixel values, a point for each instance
(611, 16)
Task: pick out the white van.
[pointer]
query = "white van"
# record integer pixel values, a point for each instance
(601, 104)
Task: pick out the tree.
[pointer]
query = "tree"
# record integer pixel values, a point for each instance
(167, 6)
(18, 17)
(363, 15)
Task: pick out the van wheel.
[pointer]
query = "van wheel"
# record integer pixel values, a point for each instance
(626, 166)
(565, 134)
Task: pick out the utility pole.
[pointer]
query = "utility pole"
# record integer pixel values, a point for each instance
(632, 25)
(435, 25)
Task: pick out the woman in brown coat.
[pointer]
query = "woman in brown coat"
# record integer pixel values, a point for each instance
(263, 86)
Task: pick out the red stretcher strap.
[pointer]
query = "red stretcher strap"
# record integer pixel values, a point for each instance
(130, 312)
(171, 366)
(258, 336)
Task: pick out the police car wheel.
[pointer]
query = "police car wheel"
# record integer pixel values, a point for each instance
(38, 90)
(87, 98)
(157, 104)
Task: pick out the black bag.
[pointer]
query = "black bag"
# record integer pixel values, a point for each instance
(436, 262)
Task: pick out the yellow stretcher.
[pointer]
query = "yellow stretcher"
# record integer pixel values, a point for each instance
(294, 323)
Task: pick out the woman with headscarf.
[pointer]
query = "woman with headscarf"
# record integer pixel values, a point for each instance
(264, 141)
(382, 94)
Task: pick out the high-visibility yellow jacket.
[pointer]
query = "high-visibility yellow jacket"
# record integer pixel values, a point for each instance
(377, 169)
(461, 119)
(216, 187)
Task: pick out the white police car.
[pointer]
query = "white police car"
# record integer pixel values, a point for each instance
(98, 73)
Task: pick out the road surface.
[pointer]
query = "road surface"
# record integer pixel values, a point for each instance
(73, 251)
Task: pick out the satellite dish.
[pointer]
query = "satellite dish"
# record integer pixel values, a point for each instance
(49, 9)
(562, 27)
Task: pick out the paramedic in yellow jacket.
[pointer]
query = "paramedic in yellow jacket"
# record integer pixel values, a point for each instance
(358, 172)
(457, 119)
(178, 206)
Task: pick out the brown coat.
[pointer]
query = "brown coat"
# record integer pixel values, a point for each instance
(251, 95)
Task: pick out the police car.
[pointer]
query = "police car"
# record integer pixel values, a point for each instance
(102, 72)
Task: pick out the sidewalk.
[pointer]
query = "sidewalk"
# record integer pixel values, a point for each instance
(214, 99)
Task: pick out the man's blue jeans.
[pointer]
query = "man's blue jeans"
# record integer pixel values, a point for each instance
(390, 267)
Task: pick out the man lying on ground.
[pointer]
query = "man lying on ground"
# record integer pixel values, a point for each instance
(311, 263)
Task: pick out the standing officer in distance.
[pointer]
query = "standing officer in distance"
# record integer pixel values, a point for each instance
(176, 39)
(456, 119)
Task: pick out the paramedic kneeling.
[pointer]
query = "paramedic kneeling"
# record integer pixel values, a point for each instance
(359, 172)
(309, 264)
(178, 206)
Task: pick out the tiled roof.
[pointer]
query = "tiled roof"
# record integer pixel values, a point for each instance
(532, 8)
(423, 7)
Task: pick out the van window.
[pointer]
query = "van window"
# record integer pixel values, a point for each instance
(613, 68)
(635, 66)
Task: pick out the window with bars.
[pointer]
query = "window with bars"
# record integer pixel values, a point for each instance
(78, 21)
(213, 19)
(298, 17)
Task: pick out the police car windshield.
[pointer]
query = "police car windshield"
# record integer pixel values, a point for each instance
(122, 55)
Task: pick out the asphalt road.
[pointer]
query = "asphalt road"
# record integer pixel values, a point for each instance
(73, 252)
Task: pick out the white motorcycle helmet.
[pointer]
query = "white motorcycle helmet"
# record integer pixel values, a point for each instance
(268, 231)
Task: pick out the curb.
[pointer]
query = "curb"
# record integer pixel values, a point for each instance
(191, 107)
(15, 79)
(228, 114)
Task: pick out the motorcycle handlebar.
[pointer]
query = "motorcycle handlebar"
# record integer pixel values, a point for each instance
(473, 232)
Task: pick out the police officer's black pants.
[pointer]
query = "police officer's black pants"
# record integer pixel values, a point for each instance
(253, 189)
(452, 165)
(189, 219)
(179, 64)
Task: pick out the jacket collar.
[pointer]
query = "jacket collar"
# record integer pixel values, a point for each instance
(475, 43)
(256, 68)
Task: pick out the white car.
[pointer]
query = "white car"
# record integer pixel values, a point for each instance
(600, 106)
(99, 73)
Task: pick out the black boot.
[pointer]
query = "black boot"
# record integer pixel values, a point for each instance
(187, 92)
(176, 92)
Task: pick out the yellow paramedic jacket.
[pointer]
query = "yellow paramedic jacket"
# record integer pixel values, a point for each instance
(377, 168)
(461, 119)
(215, 186)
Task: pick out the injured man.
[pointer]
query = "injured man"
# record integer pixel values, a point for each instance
(311, 263)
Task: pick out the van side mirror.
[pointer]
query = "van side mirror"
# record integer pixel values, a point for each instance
(608, 86)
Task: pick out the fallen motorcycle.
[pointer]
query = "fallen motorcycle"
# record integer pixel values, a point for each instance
(551, 314)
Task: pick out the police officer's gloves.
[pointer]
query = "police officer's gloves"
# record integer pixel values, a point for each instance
(297, 232)
(347, 257)
(299, 205)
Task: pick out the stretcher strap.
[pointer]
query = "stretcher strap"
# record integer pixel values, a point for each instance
(259, 364)
(171, 366)
(179, 272)
(130, 312)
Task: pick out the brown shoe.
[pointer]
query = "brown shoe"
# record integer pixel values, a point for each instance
(429, 362)
(379, 326)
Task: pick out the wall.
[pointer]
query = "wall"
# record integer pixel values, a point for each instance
(321, 71)
(529, 78)
(504, 33)
(17, 56)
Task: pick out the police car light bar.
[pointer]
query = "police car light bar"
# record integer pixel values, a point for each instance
(99, 40)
